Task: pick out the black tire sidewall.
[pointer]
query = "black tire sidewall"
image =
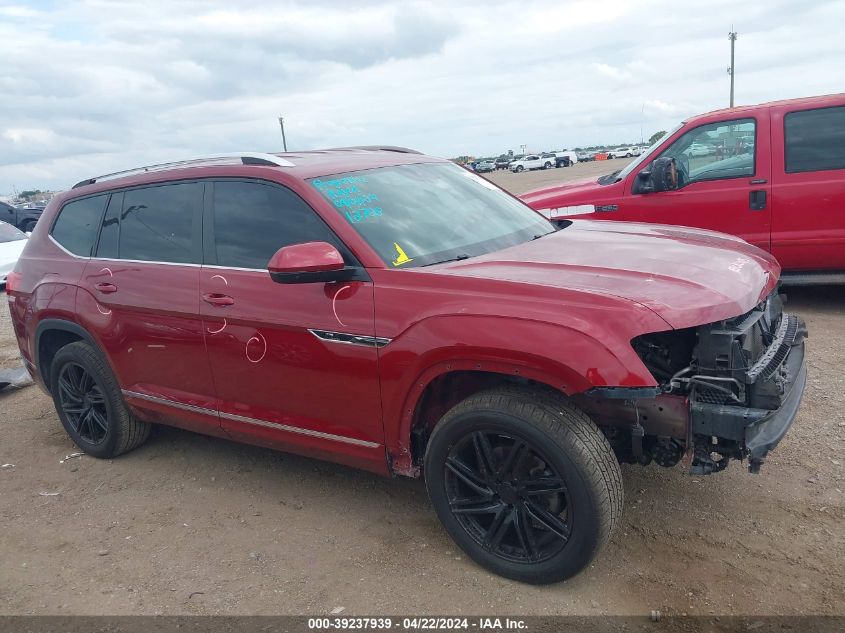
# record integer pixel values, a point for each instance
(583, 541)
(72, 354)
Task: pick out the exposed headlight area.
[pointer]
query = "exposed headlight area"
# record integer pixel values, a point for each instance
(743, 378)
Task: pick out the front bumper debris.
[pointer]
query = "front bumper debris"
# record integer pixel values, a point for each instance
(747, 398)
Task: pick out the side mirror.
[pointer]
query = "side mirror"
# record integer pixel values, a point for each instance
(309, 262)
(664, 174)
(642, 183)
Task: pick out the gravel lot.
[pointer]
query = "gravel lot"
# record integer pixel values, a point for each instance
(195, 525)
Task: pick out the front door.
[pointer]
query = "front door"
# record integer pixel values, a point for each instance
(287, 370)
(724, 170)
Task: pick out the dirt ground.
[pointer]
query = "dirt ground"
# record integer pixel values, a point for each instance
(193, 525)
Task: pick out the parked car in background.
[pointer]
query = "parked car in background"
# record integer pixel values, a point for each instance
(620, 152)
(565, 158)
(699, 149)
(394, 312)
(776, 178)
(584, 157)
(23, 218)
(12, 241)
(503, 162)
(484, 166)
(533, 161)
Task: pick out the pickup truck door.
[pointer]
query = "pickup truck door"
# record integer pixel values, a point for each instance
(726, 190)
(808, 214)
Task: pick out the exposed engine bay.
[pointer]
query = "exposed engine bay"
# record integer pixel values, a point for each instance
(728, 390)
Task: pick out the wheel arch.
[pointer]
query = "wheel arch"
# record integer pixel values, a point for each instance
(50, 336)
(443, 385)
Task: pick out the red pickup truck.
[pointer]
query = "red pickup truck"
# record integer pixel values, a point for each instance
(773, 174)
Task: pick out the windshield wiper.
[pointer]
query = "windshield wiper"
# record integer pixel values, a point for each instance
(609, 178)
(456, 258)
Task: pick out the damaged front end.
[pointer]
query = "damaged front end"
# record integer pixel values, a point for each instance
(728, 390)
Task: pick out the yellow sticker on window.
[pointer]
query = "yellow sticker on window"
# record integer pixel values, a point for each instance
(401, 257)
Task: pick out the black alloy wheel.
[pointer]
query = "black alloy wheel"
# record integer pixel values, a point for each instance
(83, 403)
(524, 482)
(507, 496)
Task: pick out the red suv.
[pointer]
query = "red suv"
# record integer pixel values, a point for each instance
(397, 313)
(773, 174)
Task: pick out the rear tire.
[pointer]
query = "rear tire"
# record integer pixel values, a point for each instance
(90, 405)
(544, 500)
(28, 226)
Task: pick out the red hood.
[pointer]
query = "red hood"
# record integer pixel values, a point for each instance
(538, 197)
(687, 276)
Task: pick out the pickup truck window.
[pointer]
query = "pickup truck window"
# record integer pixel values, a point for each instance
(715, 151)
(815, 140)
(416, 215)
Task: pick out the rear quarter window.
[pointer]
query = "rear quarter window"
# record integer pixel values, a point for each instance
(77, 224)
(815, 140)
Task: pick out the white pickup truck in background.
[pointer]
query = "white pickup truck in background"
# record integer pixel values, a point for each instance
(533, 161)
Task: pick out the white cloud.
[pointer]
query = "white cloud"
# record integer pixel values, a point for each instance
(93, 86)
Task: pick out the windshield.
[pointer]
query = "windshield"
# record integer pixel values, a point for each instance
(422, 214)
(8, 233)
(645, 155)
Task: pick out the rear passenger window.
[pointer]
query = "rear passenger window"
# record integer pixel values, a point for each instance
(253, 220)
(156, 223)
(815, 139)
(76, 227)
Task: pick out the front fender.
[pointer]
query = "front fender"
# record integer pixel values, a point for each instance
(563, 358)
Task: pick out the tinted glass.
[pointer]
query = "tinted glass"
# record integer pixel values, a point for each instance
(107, 246)
(715, 151)
(253, 220)
(156, 224)
(815, 139)
(77, 224)
(413, 215)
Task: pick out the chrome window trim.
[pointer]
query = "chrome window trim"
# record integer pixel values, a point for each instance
(113, 259)
(345, 338)
(255, 421)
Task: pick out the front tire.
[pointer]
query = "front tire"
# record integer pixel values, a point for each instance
(519, 168)
(90, 405)
(524, 483)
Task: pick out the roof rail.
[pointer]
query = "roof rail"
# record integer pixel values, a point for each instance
(381, 148)
(245, 158)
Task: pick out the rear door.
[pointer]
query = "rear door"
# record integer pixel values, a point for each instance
(286, 372)
(808, 225)
(726, 170)
(140, 294)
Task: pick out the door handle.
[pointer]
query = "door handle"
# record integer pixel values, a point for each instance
(218, 300)
(105, 287)
(757, 200)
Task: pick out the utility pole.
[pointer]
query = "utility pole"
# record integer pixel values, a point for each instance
(732, 38)
(285, 143)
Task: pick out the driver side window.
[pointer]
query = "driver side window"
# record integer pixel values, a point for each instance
(715, 151)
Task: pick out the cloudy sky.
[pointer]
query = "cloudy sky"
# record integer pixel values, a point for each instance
(92, 86)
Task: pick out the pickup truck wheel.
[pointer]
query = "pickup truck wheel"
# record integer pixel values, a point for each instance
(28, 226)
(524, 483)
(547, 166)
(90, 404)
